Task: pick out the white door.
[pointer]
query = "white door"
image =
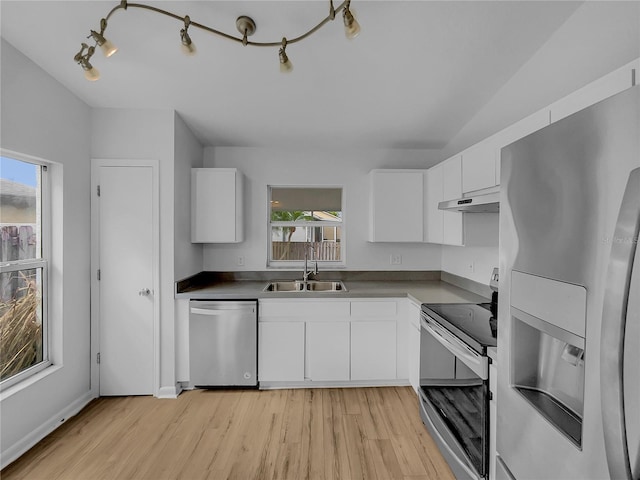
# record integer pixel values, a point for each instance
(125, 234)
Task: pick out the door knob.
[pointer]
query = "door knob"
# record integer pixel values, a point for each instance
(145, 292)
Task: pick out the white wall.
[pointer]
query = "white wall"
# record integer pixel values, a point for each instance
(188, 154)
(148, 134)
(348, 168)
(480, 254)
(597, 39)
(40, 117)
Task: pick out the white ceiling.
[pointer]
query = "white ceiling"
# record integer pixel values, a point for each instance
(418, 72)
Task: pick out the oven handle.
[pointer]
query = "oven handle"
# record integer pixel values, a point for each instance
(471, 359)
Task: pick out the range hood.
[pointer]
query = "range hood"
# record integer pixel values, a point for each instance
(481, 203)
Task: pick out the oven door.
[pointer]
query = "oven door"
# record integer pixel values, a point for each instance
(454, 399)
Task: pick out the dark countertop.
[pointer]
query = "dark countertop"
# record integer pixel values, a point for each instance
(421, 287)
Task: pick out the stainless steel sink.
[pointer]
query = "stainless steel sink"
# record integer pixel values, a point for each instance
(285, 286)
(325, 286)
(311, 286)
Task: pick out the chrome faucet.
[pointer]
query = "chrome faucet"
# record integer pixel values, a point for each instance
(306, 272)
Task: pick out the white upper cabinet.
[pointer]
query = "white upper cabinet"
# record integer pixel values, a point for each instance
(452, 222)
(444, 182)
(605, 87)
(452, 178)
(479, 166)
(396, 206)
(434, 195)
(216, 205)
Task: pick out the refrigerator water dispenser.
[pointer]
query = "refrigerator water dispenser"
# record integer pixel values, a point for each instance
(548, 371)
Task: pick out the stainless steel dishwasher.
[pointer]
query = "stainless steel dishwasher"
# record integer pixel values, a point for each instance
(223, 343)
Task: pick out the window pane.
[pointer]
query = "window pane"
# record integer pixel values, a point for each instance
(306, 198)
(321, 243)
(21, 326)
(20, 210)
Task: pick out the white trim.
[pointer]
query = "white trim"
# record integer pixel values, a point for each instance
(32, 438)
(169, 392)
(279, 264)
(403, 382)
(46, 261)
(95, 249)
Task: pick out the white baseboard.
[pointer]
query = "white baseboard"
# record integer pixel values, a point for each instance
(28, 441)
(335, 384)
(169, 392)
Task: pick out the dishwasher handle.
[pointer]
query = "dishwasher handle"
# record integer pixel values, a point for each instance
(223, 307)
(219, 312)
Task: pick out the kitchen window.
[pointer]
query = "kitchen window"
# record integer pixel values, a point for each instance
(24, 247)
(305, 221)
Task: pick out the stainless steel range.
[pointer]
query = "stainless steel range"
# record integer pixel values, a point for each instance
(454, 381)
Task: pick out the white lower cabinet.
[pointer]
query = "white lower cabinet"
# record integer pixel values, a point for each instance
(373, 350)
(309, 340)
(327, 351)
(281, 351)
(414, 346)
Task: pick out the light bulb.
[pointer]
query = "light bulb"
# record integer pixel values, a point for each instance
(286, 66)
(188, 48)
(108, 48)
(92, 74)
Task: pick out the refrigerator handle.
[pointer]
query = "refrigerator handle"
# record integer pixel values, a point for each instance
(616, 298)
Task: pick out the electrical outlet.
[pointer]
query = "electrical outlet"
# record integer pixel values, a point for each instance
(395, 259)
(240, 261)
(470, 267)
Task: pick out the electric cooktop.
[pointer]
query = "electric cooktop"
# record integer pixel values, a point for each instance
(474, 323)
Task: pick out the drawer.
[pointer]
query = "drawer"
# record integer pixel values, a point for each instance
(304, 309)
(371, 308)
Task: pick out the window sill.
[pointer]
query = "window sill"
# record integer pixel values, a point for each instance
(28, 382)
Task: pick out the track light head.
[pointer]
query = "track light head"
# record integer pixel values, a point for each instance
(83, 58)
(285, 64)
(351, 25)
(107, 47)
(188, 47)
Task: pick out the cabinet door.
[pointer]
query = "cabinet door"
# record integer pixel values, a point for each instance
(452, 227)
(452, 178)
(414, 346)
(373, 350)
(479, 167)
(327, 352)
(434, 196)
(397, 199)
(216, 205)
(281, 351)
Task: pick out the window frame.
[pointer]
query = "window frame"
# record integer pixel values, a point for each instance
(42, 262)
(283, 264)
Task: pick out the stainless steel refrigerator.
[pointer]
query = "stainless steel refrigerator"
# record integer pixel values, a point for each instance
(569, 308)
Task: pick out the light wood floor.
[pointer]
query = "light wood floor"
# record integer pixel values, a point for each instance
(354, 433)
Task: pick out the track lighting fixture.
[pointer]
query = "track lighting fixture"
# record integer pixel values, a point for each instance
(244, 24)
